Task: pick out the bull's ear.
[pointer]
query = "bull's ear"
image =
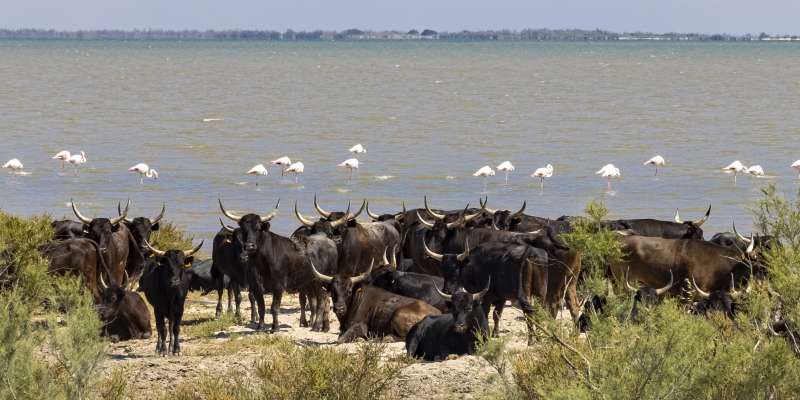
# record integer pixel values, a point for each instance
(187, 262)
(265, 226)
(155, 226)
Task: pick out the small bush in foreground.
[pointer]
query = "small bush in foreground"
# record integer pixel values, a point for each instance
(287, 371)
(169, 236)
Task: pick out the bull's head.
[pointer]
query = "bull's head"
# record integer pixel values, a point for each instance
(394, 220)
(717, 300)
(449, 265)
(693, 230)
(648, 295)
(341, 288)
(173, 263)
(251, 226)
(100, 229)
(503, 219)
(142, 227)
(463, 305)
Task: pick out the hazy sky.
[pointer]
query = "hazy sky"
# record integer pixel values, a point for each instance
(724, 16)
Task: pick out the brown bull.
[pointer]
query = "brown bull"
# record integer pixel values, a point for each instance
(649, 260)
(78, 257)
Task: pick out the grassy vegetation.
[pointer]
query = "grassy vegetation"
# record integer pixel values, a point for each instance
(169, 236)
(287, 371)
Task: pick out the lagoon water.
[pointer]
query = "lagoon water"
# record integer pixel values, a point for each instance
(429, 115)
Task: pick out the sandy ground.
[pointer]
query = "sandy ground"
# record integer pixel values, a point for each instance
(463, 377)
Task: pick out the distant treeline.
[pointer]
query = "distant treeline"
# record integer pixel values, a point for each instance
(560, 35)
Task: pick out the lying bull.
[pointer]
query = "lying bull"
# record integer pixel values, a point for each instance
(410, 284)
(364, 310)
(124, 314)
(437, 336)
(78, 257)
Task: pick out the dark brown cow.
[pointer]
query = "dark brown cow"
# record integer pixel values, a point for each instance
(114, 241)
(650, 260)
(364, 310)
(79, 257)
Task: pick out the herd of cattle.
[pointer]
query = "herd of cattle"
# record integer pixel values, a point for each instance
(430, 276)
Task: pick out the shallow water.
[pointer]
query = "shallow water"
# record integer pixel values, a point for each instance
(429, 115)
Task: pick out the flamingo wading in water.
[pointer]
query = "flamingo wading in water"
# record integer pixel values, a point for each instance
(62, 155)
(296, 168)
(656, 161)
(351, 164)
(484, 172)
(796, 166)
(144, 171)
(736, 168)
(506, 167)
(609, 171)
(282, 162)
(755, 170)
(14, 166)
(77, 160)
(358, 149)
(542, 173)
(258, 170)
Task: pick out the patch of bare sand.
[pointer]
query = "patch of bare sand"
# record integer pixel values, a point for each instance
(236, 348)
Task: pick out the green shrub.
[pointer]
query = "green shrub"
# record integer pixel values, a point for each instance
(288, 371)
(21, 264)
(168, 237)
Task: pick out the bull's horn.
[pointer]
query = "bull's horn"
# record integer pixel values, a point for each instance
(318, 275)
(430, 253)
(678, 217)
(272, 213)
(702, 294)
(665, 289)
(394, 257)
(627, 284)
(226, 227)
(536, 232)
(441, 293)
(372, 216)
(102, 282)
(385, 260)
(494, 226)
(319, 209)
(463, 256)
(187, 253)
(424, 223)
(123, 216)
(734, 293)
(742, 238)
(461, 219)
(430, 212)
(361, 278)
(751, 246)
(484, 208)
(119, 212)
(231, 216)
(301, 218)
(521, 210)
(479, 295)
(468, 218)
(78, 213)
(704, 218)
(343, 219)
(160, 215)
(153, 249)
(351, 217)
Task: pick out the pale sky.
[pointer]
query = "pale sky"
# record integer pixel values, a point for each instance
(704, 16)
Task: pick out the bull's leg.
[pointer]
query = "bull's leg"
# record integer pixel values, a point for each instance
(237, 293)
(176, 330)
(259, 298)
(356, 331)
(253, 307)
(230, 297)
(220, 289)
(496, 315)
(171, 322)
(312, 307)
(275, 308)
(161, 347)
(303, 299)
(325, 309)
(572, 300)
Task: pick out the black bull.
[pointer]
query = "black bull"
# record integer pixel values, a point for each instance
(80, 257)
